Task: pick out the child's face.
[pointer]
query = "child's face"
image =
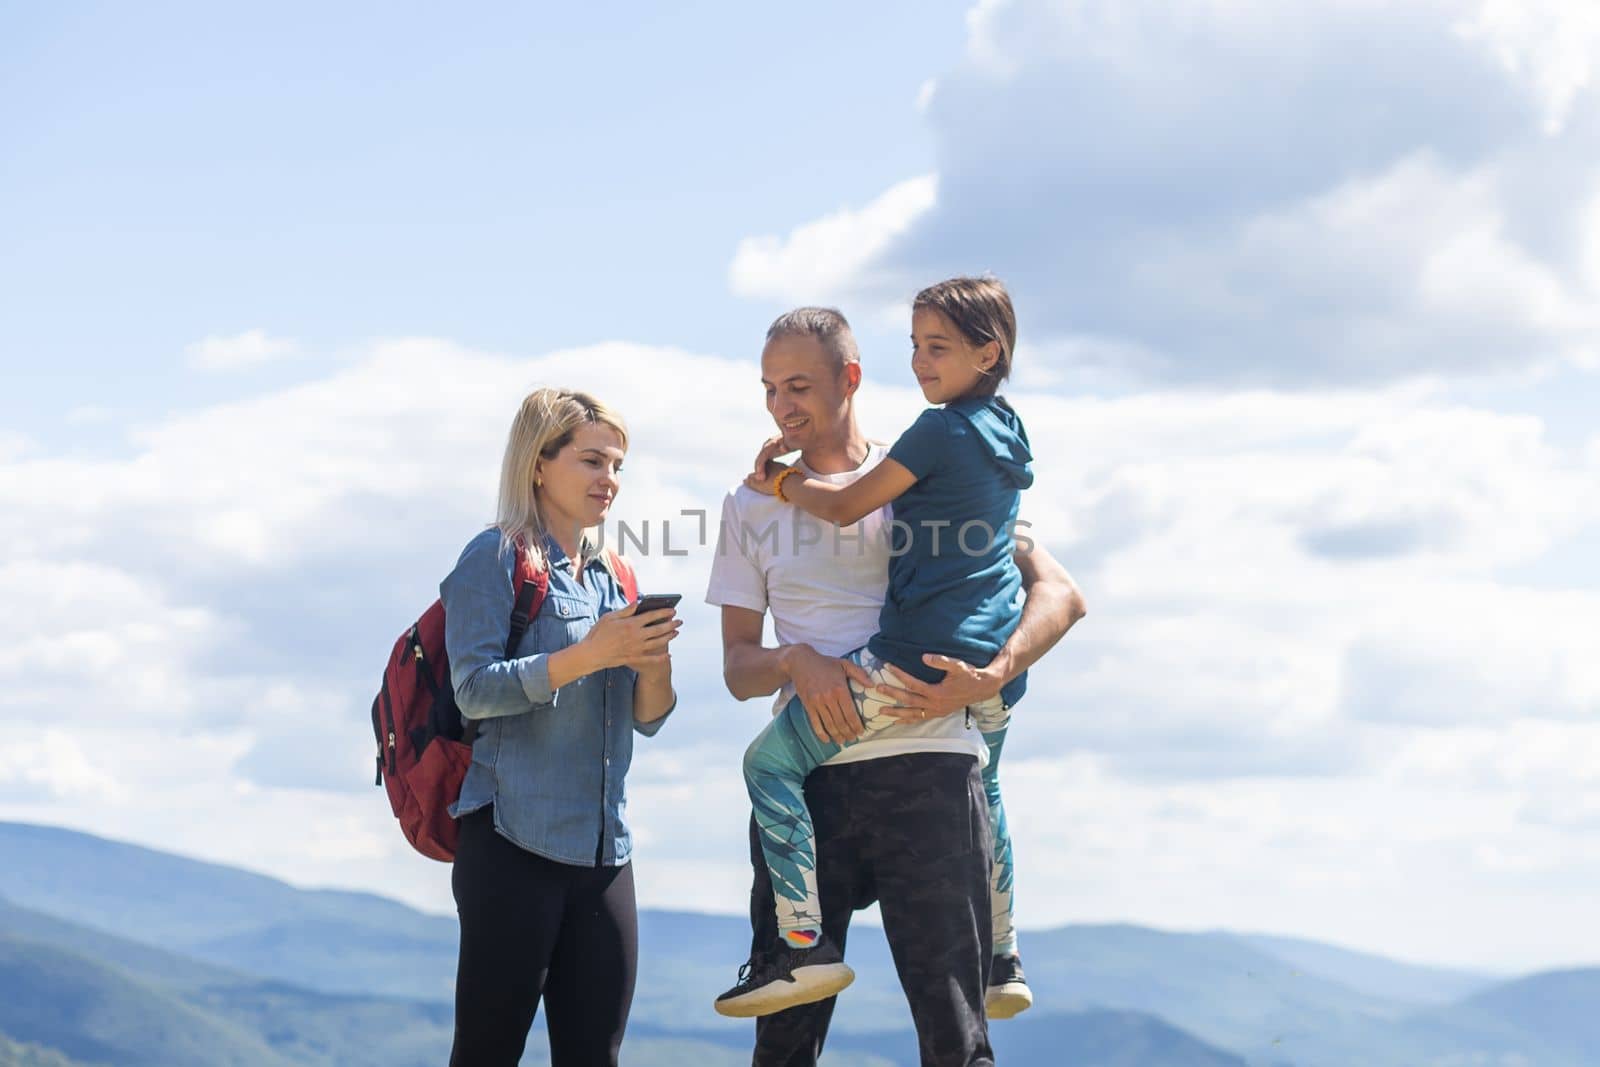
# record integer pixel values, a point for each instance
(946, 364)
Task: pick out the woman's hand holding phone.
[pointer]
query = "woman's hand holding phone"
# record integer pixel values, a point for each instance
(636, 636)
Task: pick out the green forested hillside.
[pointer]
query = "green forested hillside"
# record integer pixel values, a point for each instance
(98, 1013)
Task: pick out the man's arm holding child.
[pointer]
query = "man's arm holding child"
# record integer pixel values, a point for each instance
(1053, 605)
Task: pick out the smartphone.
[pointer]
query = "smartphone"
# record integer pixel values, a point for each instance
(657, 601)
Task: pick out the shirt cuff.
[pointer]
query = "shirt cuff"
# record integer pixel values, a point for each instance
(534, 674)
(650, 729)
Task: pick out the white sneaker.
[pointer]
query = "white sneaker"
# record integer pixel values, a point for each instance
(1008, 994)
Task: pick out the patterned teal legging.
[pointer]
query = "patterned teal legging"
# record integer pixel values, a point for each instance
(775, 769)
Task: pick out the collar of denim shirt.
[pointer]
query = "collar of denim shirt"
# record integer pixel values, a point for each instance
(556, 556)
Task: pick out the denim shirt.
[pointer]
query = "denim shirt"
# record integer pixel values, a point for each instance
(552, 762)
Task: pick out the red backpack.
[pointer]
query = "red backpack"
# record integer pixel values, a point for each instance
(423, 749)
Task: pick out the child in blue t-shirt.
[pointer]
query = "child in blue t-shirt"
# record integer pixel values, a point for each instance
(955, 479)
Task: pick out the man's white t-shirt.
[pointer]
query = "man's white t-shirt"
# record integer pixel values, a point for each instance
(824, 586)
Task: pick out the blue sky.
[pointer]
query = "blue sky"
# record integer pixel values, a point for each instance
(1308, 315)
(520, 177)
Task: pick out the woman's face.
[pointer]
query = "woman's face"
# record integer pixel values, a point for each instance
(575, 487)
(946, 364)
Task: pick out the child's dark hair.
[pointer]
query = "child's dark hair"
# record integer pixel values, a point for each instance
(981, 309)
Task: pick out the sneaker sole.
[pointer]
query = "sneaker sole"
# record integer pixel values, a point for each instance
(1007, 1001)
(810, 985)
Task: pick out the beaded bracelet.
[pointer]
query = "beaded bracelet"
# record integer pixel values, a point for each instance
(777, 485)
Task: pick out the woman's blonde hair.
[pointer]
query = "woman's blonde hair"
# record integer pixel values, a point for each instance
(544, 426)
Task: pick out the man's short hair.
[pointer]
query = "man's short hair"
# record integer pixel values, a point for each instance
(827, 325)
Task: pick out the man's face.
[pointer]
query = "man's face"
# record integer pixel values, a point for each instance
(808, 399)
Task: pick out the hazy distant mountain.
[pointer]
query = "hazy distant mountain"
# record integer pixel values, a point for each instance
(1100, 1038)
(108, 1001)
(222, 914)
(1218, 988)
(100, 1014)
(1549, 1017)
(108, 1015)
(146, 961)
(358, 972)
(1405, 983)
(414, 958)
(343, 942)
(1565, 1002)
(104, 1014)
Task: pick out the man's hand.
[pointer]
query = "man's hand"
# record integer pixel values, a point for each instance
(823, 685)
(963, 684)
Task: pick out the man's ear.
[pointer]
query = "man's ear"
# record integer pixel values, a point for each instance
(852, 377)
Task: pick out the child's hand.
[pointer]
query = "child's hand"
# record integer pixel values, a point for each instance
(767, 483)
(771, 449)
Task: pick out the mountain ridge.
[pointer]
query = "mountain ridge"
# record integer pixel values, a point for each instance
(262, 947)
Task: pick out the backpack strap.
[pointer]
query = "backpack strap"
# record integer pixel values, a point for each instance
(530, 586)
(625, 576)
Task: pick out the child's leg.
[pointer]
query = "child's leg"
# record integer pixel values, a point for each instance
(775, 769)
(993, 718)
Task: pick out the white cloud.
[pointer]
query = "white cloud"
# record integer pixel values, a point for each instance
(228, 576)
(205, 617)
(1358, 861)
(1355, 191)
(1269, 574)
(238, 351)
(92, 640)
(1475, 653)
(13, 446)
(53, 765)
(89, 415)
(818, 260)
(1554, 45)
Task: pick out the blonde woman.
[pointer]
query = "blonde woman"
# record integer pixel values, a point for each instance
(543, 887)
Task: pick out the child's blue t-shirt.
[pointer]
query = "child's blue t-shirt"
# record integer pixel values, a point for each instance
(953, 587)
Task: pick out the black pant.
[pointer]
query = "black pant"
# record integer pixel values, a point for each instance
(912, 833)
(531, 927)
